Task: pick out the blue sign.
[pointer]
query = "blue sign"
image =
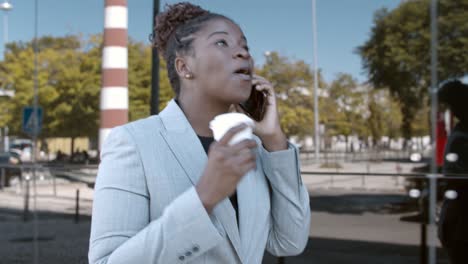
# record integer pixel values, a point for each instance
(29, 122)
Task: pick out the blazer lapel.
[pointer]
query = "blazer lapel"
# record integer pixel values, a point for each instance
(227, 216)
(247, 200)
(189, 152)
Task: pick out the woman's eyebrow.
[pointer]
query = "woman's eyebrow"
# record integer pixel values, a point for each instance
(217, 32)
(225, 33)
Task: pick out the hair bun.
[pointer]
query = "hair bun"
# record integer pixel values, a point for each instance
(173, 16)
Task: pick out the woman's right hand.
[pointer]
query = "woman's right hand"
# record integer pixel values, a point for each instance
(225, 168)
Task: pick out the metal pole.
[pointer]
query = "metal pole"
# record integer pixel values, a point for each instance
(5, 7)
(5, 30)
(26, 202)
(3, 182)
(19, 187)
(77, 206)
(423, 238)
(54, 184)
(6, 141)
(432, 177)
(316, 113)
(35, 131)
(155, 66)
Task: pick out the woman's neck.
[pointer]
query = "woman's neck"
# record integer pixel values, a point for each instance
(199, 111)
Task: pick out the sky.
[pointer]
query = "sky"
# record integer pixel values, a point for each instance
(269, 25)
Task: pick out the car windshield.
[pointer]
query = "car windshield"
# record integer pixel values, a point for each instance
(4, 159)
(20, 146)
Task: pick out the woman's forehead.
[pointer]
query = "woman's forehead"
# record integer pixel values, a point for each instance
(221, 26)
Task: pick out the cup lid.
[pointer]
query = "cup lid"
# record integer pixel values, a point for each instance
(231, 119)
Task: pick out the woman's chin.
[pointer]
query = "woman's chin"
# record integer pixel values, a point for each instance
(241, 99)
(238, 98)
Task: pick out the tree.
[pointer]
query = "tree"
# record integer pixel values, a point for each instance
(68, 84)
(76, 79)
(397, 54)
(139, 81)
(348, 98)
(384, 115)
(293, 82)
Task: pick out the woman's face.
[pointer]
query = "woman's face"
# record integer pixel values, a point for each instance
(221, 66)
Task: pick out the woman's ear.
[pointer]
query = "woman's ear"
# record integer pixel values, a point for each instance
(182, 68)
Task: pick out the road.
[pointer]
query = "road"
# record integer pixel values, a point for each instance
(351, 223)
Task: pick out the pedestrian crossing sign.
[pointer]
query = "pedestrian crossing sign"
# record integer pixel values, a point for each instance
(29, 120)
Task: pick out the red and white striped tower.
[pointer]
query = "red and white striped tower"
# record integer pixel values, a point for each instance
(114, 92)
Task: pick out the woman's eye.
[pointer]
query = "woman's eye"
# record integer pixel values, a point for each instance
(222, 43)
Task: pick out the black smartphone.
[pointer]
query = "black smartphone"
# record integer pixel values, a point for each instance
(255, 106)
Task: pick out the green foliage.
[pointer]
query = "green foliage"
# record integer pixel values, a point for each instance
(293, 82)
(384, 115)
(165, 89)
(139, 80)
(397, 54)
(348, 99)
(69, 79)
(69, 83)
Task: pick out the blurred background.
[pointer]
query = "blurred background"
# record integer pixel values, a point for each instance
(355, 82)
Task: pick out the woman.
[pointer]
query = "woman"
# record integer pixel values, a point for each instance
(166, 193)
(453, 223)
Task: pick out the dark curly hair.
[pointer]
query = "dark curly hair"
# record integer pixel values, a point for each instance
(455, 94)
(173, 33)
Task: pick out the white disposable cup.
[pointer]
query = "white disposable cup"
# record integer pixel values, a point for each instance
(222, 123)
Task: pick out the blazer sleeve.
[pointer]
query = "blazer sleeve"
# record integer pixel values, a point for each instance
(121, 229)
(290, 209)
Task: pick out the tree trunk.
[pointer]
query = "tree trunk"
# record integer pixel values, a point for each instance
(406, 126)
(347, 141)
(72, 146)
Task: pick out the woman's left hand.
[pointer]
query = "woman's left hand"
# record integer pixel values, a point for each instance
(269, 128)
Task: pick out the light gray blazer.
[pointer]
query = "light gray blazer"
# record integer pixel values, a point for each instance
(146, 209)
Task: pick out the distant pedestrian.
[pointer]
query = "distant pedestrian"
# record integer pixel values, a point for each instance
(453, 223)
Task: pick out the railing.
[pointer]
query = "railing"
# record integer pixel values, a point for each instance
(329, 156)
(420, 187)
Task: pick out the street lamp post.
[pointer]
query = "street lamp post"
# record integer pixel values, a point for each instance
(316, 113)
(5, 7)
(35, 131)
(432, 253)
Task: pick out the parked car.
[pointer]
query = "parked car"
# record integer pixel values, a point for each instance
(23, 148)
(9, 166)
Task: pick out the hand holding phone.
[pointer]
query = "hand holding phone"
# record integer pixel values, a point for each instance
(255, 106)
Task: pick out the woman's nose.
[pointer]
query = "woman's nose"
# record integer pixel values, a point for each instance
(242, 53)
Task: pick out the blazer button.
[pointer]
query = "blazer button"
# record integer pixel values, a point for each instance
(188, 253)
(195, 249)
(181, 258)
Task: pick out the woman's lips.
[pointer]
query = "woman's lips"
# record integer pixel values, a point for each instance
(243, 76)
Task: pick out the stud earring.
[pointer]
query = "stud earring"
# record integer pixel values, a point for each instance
(188, 76)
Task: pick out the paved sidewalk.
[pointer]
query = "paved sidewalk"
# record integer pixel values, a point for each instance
(351, 223)
(63, 201)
